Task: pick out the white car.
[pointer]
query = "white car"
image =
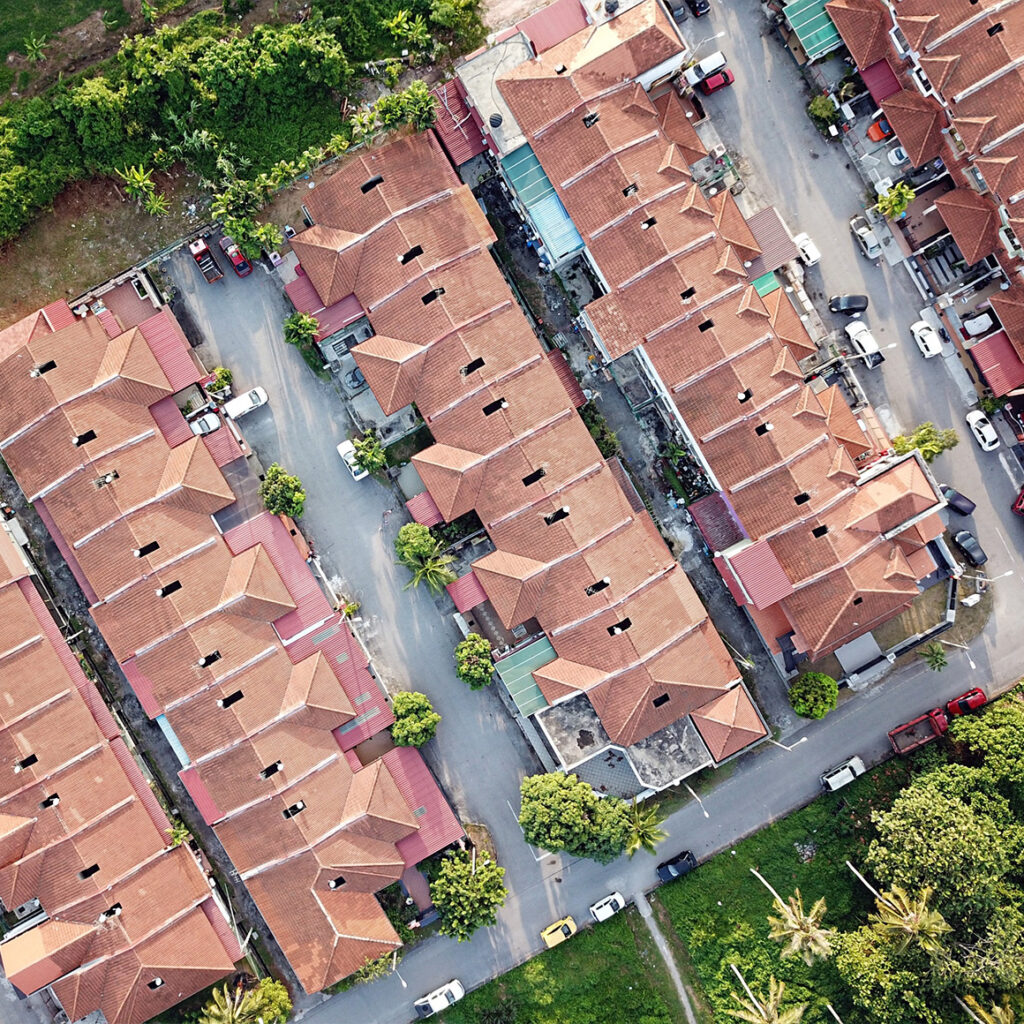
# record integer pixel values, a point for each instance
(440, 999)
(897, 155)
(978, 325)
(702, 69)
(842, 774)
(863, 343)
(607, 907)
(983, 431)
(866, 238)
(245, 403)
(809, 252)
(205, 424)
(927, 338)
(347, 451)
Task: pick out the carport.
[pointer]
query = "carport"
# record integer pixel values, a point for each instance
(515, 672)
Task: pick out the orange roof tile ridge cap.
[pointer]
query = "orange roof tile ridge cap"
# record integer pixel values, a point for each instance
(626, 214)
(724, 360)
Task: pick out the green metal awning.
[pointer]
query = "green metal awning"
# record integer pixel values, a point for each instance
(766, 284)
(813, 26)
(515, 674)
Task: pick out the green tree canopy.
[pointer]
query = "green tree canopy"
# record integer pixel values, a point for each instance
(997, 734)
(415, 544)
(370, 453)
(282, 493)
(896, 200)
(466, 898)
(645, 830)
(928, 439)
(267, 1001)
(416, 721)
(300, 329)
(559, 812)
(813, 695)
(473, 663)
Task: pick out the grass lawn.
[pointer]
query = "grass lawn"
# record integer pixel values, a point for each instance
(608, 973)
(720, 911)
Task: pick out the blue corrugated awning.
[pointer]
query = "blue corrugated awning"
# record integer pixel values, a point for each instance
(545, 209)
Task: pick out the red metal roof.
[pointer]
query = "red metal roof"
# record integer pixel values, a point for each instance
(424, 509)
(268, 530)
(729, 577)
(763, 578)
(564, 371)
(717, 521)
(223, 446)
(170, 421)
(171, 348)
(58, 315)
(142, 788)
(553, 24)
(437, 825)
(998, 362)
(143, 687)
(110, 324)
(466, 592)
(200, 796)
(456, 124)
(222, 929)
(881, 81)
(305, 299)
(65, 549)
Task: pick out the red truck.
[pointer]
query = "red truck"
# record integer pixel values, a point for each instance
(927, 727)
(204, 260)
(239, 263)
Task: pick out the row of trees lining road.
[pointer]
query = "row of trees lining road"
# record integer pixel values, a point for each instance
(245, 112)
(559, 812)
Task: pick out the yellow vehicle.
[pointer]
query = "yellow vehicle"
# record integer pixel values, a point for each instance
(559, 931)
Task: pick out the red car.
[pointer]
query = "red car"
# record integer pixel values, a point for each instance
(715, 82)
(969, 701)
(239, 263)
(880, 130)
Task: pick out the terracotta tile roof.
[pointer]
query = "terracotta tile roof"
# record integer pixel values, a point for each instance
(893, 497)
(729, 723)
(973, 220)
(761, 580)
(786, 323)
(1009, 307)
(45, 953)
(375, 266)
(990, 111)
(414, 169)
(864, 26)
(918, 122)
(554, 23)
(618, 50)
(842, 423)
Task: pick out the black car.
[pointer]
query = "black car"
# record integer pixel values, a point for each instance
(967, 544)
(678, 866)
(677, 8)
(848, 304)
(699, 7)
(958, 502)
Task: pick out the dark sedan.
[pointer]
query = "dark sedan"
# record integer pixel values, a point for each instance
(699, 7)
(678, 866)
(958, 502)
(848, 304)
(967, 544)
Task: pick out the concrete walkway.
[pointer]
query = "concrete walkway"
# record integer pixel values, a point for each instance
(666, 954)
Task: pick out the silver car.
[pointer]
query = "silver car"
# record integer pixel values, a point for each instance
(866, 238)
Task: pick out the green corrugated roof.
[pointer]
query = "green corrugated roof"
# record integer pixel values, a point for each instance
(515, 674)
(814, 28)
(766, 284)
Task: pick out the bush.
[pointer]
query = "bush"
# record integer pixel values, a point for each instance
(473, 663)
(822, 112)
(467, 898)
(605, 438)
(416, 721)
(222, 378)
(814, 695)
(281, 493)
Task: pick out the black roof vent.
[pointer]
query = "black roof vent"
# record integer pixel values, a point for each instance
(407, 257)
(532, 478)
(660, 701)
(688, 294)
(231, 698)
(38, 371)
(172, 588)
(371, 184)
(598, 586)
(430, 296)
(745, 395)
(819, 531)
(271, 769)
(589, 120)
(649, 223)
(146, 549)
(558, 514)
(296, 808)
(706, 326)
(620, 627)
(208, 659)
(631, 190)
(88, 872)
(496, 406)
(89, 435)
(996, 28)
(802, 498)
(472, 366)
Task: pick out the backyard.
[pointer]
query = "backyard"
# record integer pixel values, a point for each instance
(609, 971)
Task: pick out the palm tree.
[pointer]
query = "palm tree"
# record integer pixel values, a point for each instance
(433, 570)
(768, 1010)
(905, 919)
(895, 202)
(935, 657)
(1001, 1014)
(239, 1007)
(801, 929)
(644, 830)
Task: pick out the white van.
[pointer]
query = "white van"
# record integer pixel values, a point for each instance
(842, 774)
(245, 403)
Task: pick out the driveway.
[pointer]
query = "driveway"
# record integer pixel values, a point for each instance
(786, 162)
(479, 754)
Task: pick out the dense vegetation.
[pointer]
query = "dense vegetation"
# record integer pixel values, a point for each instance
(246, 112)
(936, 915)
